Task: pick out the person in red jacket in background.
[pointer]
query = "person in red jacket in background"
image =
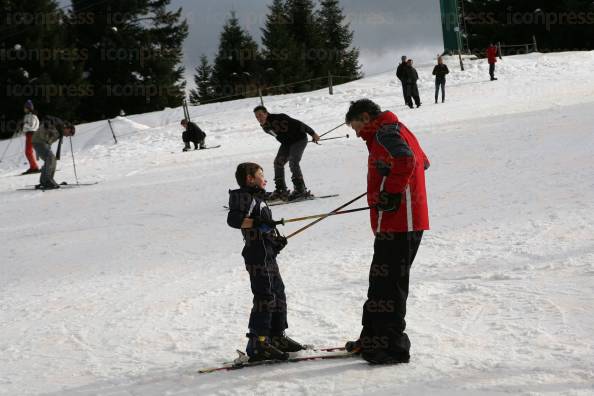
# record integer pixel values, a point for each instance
(492, 57)
(30, 125)
(399, 215)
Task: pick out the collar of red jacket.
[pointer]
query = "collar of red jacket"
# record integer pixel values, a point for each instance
(385, 118)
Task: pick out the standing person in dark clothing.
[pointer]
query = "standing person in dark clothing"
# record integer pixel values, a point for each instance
(50, 130)
(492, 59)
(292, 135)
(268, 320)
(398, 200)
(412, 90)
(193, 134)
(400, 71)
(440, 71)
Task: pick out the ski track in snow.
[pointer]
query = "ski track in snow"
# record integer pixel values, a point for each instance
(128, 287)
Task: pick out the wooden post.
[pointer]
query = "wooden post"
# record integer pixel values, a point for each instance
(186, 110)
(112, 132)
(330, 84)
(534, 43)
(260, 93)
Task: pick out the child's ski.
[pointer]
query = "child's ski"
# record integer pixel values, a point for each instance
(309, 198)
(243, 361)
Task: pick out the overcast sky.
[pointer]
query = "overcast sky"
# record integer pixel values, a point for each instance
(384, 29)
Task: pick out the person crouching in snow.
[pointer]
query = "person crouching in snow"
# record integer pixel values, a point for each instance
(193, 134)
(50, 130)
(398, 200)
(268, 319)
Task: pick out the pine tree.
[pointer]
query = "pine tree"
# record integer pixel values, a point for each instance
(237, 64)
(558, 25)
(306, 58)
(340, 59)
(134, 54)
(202, 79)
(278, 44)
(37, 62)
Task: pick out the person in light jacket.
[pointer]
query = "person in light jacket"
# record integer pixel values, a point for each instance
(30, 125)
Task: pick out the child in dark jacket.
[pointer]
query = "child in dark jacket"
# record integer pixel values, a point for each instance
(268, 319)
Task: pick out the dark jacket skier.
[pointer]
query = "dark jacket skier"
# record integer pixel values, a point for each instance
(193, 134)
(412, 90)
(268, 320)
(440, 71)
(292, 135)
(400, 71)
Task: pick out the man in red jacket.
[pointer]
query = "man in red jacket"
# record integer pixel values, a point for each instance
(399, 215)
(492, 56)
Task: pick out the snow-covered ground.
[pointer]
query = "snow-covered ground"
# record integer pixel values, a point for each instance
(129, 286)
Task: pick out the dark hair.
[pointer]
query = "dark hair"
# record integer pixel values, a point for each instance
(362, 106)
(244, 170)
(184, 121)
(260, 108)
(71, 126)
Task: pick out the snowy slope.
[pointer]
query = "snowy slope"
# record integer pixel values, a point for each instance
(129, 286)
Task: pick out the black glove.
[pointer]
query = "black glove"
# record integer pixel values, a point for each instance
(388, 202)
(258, 221)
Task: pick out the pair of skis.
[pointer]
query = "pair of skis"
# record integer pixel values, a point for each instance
(62, 186)
(242, 361)
(199, 149)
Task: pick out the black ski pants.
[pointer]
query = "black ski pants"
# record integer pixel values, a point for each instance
(188, 136)
(492, 70)
(412, 92)
(269, 310)
(440, 84)
(291, 153)
(385, 308)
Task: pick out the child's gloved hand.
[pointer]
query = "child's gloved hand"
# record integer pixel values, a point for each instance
(258, 221)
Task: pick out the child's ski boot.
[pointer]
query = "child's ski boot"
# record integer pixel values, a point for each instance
(259, 348)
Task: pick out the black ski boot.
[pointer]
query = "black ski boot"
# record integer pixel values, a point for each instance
(260, 348)
(281, 191)
(187, 147)
(300, 192)
(285, 344)
(385, 356)
(31, 171)
(52, 186)
(353, 346)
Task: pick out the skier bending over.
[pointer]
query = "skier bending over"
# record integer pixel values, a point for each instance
(268, 320)
(292, 135)
(50, 130)
(193, 134)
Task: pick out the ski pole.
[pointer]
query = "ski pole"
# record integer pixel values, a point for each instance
(283, 221)
(332, 130)
(325, 216)
(73, 163)
(332, 138)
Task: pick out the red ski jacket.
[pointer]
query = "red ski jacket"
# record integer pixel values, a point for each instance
(396, 164)
(492, 55)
